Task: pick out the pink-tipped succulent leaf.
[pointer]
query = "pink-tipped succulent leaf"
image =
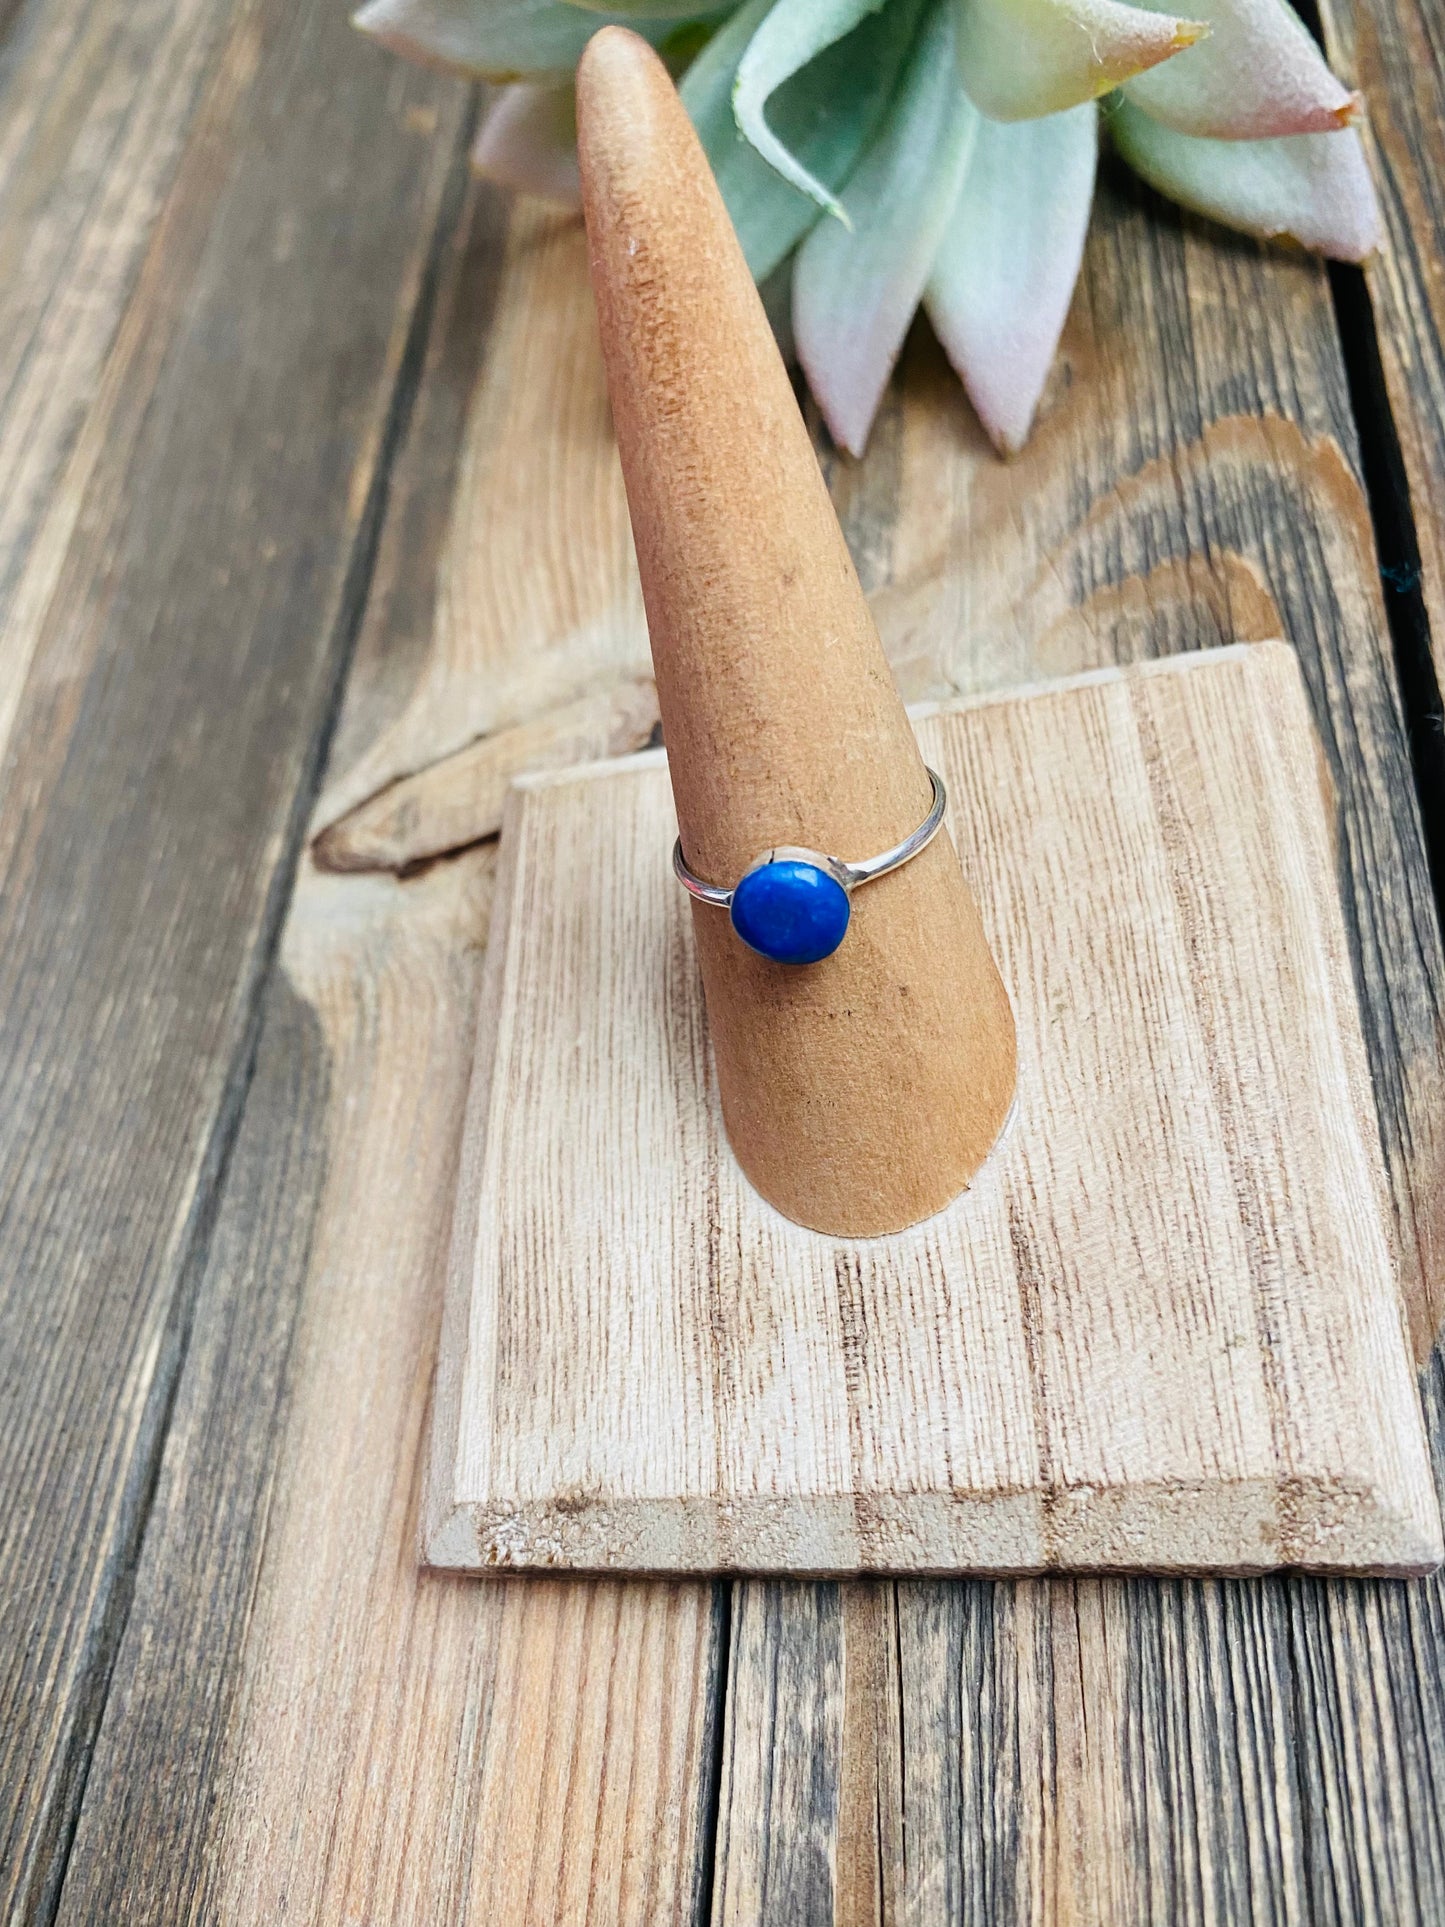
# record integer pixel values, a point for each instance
(1256, 75)
(1018, 59)
(528, 142)
(1311, 188)
(506, 40)
(1006, 265)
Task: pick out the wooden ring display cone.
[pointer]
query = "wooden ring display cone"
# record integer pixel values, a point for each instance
(860, 1094)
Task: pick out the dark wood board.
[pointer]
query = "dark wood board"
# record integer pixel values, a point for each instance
(183, 668)
(96, 104)
(160, 1820)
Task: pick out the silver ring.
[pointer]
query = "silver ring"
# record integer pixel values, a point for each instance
(792, 904)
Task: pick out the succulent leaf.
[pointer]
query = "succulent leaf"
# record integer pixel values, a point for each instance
(528, 142)
(789, 35)
(1311, 188)
(824, 116)
(961, 174)
(856, 288)
(1022, 58)
(1257, 76)
(1005, 269)
(501, 40)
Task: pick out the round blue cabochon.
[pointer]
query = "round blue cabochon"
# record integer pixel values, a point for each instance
(791, 911)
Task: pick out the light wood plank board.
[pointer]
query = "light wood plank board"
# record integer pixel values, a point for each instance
(1161, 1330)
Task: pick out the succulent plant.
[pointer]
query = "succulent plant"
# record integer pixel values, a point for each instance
(876, 155)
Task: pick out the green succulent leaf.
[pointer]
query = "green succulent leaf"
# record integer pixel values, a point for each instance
(856, 288)
(502, 40)
(1005, 269)
(1022, 58)
(788, 36)
(1311, 188)
(1257, 76)
(528, 142)
(824, 116)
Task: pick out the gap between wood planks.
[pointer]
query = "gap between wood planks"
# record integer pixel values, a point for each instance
(1397, 541)
(211, 1187)
(711, 1801)
(1397, 546)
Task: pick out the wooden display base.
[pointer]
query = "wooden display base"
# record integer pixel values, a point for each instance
(1160, 1332)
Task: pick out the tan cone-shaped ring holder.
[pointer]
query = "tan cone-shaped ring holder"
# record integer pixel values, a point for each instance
(860, 1094)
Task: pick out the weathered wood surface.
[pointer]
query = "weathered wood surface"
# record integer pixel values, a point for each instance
(514, 591)
(200, 354)
(305, 1726)
(1056, 1750)
(96, 102)
(1160, 1332)
(1207, 1752)
(310, 1728)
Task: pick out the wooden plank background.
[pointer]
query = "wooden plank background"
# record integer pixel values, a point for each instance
(254, 324)
(203, 349)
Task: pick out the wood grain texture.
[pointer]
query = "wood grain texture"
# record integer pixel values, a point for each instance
(1258, 1751)
(373, 1742)
(458, 800)
(174, 634)
(527, 598)
(1160, 1331)
(303, 1726)
(1100, 1751)
(1394, 52)
(1165, 1750)
(95, 106)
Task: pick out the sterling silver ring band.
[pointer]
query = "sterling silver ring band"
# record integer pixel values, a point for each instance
(851, 875)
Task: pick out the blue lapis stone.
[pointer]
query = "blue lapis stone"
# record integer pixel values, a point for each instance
(791, 911)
